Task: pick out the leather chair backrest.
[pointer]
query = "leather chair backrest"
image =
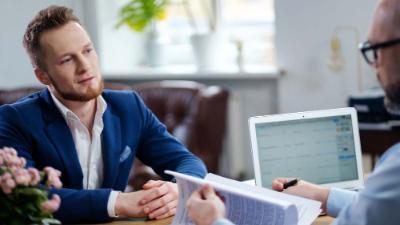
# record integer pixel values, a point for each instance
(8, 96)
(194, 113)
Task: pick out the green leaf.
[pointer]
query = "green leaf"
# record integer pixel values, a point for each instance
(35, 218)
(29, 191)
(50, 221)
(138, 14)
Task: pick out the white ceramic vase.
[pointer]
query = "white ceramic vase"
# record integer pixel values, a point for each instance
(207, 50)
(156, 43)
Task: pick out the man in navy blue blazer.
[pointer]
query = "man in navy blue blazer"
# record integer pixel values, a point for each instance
(91, 135)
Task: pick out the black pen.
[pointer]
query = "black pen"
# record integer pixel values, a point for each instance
(290, 183)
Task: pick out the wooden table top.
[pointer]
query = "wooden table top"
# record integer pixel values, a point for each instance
(322, 220)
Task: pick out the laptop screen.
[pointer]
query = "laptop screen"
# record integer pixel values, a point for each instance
(319, 150)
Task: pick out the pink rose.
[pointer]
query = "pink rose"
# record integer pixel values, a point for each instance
(35, 176)
(52, 204)
(7, 183)
(22, 177)
(10, 151)
(9, 158)
(22, 162)
(53, 177)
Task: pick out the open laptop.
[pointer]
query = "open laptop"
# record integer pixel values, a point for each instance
(321, 147)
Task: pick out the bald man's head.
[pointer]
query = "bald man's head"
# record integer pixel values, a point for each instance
(385, 28)
(386, 21)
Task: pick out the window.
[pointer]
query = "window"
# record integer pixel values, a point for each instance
(252, 21)
(249, 21)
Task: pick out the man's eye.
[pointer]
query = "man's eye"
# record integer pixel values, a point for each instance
(88, 50)
(65, 60)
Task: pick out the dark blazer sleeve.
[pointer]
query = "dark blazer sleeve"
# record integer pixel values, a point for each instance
(82, 206)
(161, 151)
(12, 136)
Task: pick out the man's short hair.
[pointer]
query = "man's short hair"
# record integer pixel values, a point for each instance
(49, 18)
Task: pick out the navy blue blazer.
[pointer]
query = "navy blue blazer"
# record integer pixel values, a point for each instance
(37, 130)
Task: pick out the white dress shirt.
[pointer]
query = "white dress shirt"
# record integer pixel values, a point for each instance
(89, 148)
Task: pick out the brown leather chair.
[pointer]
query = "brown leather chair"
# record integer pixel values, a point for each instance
(194, 113)
(8, 96)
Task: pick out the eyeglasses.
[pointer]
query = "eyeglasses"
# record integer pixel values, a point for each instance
(369, 51)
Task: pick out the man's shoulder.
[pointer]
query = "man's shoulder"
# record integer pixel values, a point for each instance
(119, 93)
(123, 100)
(23, 111)
(125, 104)
(115, 96)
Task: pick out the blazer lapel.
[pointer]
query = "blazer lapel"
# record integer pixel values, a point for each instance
(111, 146)
(60, 135)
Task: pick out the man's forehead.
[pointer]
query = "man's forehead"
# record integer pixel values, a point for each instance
(68, 37)
(386, 21)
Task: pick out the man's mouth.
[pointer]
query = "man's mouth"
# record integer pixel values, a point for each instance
(86, 80)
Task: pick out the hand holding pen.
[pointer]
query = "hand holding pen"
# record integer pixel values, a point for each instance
(290, 183)
(295, 186)
(281, 184)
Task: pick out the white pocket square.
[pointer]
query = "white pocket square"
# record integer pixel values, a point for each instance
(125, 154)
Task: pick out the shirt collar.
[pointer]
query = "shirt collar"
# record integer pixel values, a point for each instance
(101, 106)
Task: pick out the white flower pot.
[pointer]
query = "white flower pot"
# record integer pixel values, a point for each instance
(156, 48)
(208, 51)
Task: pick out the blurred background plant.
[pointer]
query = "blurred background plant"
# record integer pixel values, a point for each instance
(139, 14)
(23, 195)
(144, 15)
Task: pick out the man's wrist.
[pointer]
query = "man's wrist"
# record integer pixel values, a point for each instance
(337, 199)
(112, 204)
(119, 205)
(323, 197)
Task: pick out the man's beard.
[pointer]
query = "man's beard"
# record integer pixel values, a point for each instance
(392, 98)
(90, 94)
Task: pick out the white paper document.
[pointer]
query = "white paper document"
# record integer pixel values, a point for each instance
(246, 204)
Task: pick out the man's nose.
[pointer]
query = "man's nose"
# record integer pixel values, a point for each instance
(83, 64)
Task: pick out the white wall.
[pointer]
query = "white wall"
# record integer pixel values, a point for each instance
(303, 32)
(15, 68)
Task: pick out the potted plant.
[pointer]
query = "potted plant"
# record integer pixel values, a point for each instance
(143, 15)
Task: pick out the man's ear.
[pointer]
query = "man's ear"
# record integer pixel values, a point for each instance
(42, 76)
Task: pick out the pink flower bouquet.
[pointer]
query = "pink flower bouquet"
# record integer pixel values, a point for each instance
(23, 194)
